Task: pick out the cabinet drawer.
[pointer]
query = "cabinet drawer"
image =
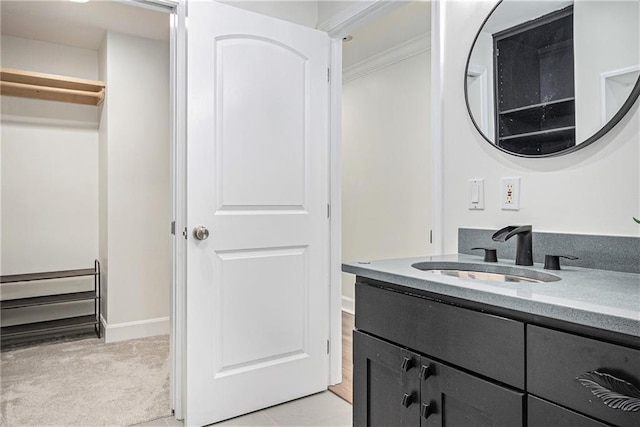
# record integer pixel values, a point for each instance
(544, 414)
(489, 345)
(555, 361)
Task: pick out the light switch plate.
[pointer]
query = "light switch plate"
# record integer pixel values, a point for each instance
(510, 194)
(475, 194)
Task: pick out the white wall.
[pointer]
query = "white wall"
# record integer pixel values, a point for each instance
(593, 191)
(49, 177)
(609, 31)
(386, 163)
(136, 176)
(43, 57)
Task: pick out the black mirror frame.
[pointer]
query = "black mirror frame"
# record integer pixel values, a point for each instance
(633, 96)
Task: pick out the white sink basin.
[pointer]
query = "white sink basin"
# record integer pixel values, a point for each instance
(486, 272)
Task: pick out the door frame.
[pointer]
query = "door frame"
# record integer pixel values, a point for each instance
(176, 9)
(338, 27)
(178, 310)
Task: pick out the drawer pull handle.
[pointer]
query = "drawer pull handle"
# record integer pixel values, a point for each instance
(425, 411)
(407, 364)
(407, 400)
(614, 392)
(425, 372)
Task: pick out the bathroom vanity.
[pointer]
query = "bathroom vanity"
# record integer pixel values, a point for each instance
(431, 350)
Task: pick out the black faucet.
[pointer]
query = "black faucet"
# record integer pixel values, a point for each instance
(524, 245)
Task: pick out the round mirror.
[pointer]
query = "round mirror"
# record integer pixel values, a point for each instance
(546, 78)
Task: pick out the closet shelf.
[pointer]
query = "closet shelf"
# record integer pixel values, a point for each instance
(48, 275)
(541, 133)
(48, 327)
(51, 87)
(47, 299)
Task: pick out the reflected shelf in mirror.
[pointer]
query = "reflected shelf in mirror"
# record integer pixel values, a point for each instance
(548, 78)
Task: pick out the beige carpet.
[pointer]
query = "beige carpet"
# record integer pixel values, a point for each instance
(85, 383)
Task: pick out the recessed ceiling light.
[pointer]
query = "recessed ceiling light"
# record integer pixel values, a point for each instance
(347, 38)
(79, 1)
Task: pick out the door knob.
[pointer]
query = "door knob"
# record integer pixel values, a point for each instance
(200, 232)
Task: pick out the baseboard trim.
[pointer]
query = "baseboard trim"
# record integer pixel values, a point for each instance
(132, 330)
(348, 305)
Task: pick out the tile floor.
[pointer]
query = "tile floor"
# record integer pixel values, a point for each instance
(322, 409)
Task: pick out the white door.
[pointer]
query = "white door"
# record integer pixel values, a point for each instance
(257, 162)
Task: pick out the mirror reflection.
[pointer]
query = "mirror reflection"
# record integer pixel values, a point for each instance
(546, 77)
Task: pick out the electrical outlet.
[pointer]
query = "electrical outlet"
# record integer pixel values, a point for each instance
(510, 194)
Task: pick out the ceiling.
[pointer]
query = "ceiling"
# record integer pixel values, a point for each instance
(81, 25)
(84, 25)
(406, 22)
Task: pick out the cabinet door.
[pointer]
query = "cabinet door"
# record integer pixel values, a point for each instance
(453, 398)
(386, 389)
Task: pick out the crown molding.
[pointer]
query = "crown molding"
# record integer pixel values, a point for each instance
(404, 50)
(356, 15)
(168, 6)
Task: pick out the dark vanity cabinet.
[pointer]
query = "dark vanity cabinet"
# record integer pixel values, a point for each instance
(534, 85)
(422, 361)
